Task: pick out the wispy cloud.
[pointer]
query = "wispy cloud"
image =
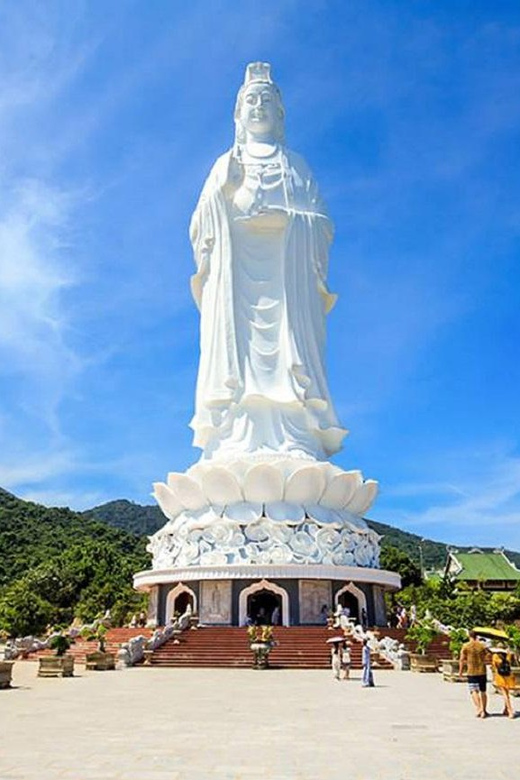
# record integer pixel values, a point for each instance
(478, 497)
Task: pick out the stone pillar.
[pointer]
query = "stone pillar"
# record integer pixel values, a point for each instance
(379, 606)
(153, 606)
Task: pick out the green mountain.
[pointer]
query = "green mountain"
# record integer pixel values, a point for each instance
(137, 519)
(148, 519)
(56, 564)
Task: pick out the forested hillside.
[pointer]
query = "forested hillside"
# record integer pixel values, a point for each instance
(140, 520)
(56, 564)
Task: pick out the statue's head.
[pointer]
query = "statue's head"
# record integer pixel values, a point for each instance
(259, 110)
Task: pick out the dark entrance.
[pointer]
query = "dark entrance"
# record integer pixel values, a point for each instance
(348, 599)
(182, 601)
(265, 608)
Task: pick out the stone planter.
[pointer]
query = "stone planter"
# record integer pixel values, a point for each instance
(423, 663)
(450, 670)
(261, 652)
(100, 661)
(56, 666)
(6, 673)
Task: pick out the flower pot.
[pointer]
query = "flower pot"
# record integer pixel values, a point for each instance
(56, 666)
(261, 652)
(6, 673)
(450, 670)
(100, 661)
(423, 663)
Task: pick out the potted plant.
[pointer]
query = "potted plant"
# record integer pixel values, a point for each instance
(422, 633)
(100, 660)
(260, 641)
(60, 664)
(450, 666)
(6, 666)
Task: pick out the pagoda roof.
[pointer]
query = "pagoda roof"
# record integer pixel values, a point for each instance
(481, 566)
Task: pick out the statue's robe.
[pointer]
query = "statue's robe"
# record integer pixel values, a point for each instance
(263, 299)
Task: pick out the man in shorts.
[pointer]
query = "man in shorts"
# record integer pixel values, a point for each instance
(473, 658)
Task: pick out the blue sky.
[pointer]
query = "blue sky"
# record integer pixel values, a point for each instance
(111, 115)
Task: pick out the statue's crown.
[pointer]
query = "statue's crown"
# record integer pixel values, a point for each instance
(258, 71)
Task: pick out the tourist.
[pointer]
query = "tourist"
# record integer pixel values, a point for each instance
(367, 680)
(275, 617)
(133, 621)
(364, 619)
(501, 662)
(473, 658)
(346, 659)
(413, 615)
(335, 659)
(324, 613)
(142, 620)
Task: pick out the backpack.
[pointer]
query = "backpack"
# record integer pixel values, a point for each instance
(504, 667)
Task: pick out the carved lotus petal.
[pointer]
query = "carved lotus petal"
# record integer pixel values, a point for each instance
(219, 532)
(213, 558)
(263, 483)
(302, 543)
(257, 531)
(167, 500)
(280, 532)
(348, 559)
(363, 497)
(305, 486)
(328, 538)
(244, 512)
(363, 555)
(221, 487)
(281, 511)
(280, 554)
(189, 552)
(187, 490)
(321, 514)
(341, 489)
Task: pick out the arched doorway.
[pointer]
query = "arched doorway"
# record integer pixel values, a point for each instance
(349, 601)
(178, 600)
(270, 596)
(264, 608)
(352, 597)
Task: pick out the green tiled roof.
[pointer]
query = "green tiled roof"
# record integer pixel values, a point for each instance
(485, 566)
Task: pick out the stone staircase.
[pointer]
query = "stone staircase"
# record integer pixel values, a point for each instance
(298, 647)
(115, 637)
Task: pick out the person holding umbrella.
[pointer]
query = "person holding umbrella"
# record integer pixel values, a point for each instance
(501, 661)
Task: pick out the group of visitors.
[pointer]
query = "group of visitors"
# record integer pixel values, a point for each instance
(138, 621)
(341, 661)
(474, 658)
(400, 617)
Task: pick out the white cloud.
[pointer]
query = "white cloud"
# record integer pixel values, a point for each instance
(477, 501)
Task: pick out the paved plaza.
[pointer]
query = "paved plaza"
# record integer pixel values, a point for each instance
(224, 724)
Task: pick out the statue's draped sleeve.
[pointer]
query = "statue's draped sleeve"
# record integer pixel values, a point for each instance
(212, 289)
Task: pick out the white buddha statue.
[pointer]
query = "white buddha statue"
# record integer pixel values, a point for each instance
(261, 237)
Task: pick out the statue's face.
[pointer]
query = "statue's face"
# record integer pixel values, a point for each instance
(259, 110)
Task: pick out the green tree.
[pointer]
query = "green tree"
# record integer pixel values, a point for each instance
(396, 560)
